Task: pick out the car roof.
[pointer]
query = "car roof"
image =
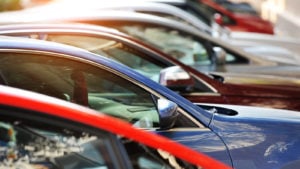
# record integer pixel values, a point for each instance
(46, 105)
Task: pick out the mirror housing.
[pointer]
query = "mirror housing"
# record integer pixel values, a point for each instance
(218, 18)
(167, 113)
(177, 79)
(220, 55)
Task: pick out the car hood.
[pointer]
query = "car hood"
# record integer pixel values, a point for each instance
(258, 137)
(253, 79)
(226, 116)
(274, 53)
(282, 71)
(268, 51)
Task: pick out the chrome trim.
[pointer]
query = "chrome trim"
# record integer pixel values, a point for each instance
(202, 94)
(188, 129)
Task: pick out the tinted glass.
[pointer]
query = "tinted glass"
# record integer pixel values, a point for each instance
(115, 50)
(146, 64)
(180, 46)
(36, 145)
(80, 83)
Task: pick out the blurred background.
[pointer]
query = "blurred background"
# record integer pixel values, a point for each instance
(282, 13)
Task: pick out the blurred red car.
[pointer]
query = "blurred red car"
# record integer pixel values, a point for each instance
(244, 22)
(37, 131)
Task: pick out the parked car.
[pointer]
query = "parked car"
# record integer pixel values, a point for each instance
(226, 88)
(242, 137)
(38, 131)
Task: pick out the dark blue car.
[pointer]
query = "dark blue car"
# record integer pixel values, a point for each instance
(243, 137)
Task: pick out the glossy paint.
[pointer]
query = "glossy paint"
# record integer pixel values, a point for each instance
(231, 136)
(56, 108)
(240, 89)
(271, 140)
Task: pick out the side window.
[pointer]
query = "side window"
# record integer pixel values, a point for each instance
(226, 20)
(146, 65)
(80, 83)
(180, 46)
(34, 144)
(233, 58)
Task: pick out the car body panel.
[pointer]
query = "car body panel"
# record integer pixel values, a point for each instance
(258, 135)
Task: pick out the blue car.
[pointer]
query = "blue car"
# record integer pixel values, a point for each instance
(243, 137)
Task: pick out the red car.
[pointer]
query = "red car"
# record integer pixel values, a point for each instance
(38, 131)
(234, 21)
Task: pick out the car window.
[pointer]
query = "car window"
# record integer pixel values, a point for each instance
(35, 142)
(233, 58)
(148, 66)
(45, 146)
(172, 42)
(80, 83)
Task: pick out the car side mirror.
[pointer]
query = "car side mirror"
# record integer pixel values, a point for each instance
(218, 18)
(220, 55)
(167, 113)
(177, 79)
